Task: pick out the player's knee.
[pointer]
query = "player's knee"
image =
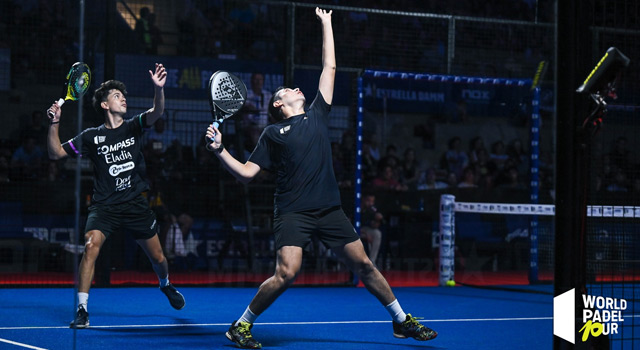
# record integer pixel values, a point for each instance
(91, 249)
(365, 267)
(92, 243)
(286, 276)
(157, 258)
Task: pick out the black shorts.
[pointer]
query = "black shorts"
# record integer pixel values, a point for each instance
(134, 216)
(330, 225)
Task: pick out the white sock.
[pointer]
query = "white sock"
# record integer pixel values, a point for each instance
(164, 281)
(395, 310)
(83, 299)
(248, 316)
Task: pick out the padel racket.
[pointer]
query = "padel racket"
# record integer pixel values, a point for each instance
(76, 84)
(227, 96)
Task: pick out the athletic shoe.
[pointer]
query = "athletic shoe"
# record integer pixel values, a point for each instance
(82, 319)
(241, 335)
(414, 329)
(175, 298)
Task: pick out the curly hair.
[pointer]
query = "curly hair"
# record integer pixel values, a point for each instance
(101, 93)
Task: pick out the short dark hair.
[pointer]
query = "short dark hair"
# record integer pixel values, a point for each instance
(101, 93)
(275, 113)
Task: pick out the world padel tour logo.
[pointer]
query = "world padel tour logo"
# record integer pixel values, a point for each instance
(599, 316)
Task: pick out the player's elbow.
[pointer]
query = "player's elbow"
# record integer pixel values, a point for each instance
(53, 155)
(330, 68)
(249, 171)
(245, 180)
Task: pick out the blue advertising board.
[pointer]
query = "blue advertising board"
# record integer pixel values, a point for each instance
(442, 94)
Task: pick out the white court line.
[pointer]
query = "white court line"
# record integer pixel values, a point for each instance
(20, 344)
(499, 319)
(287, 323)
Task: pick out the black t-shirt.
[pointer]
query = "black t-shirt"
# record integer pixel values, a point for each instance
(298, 149)
(118, 164)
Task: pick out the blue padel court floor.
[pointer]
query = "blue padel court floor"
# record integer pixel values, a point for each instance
(302, 318)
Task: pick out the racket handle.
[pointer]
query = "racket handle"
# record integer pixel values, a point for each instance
(215, 125)
(59, 103)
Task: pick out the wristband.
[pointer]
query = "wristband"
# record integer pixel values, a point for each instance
(51, 123)
(217, 150)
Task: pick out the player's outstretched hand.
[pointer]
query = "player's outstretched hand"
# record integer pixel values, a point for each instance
(323, 15)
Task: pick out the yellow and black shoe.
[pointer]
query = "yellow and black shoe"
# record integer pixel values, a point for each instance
(241, 335)
(411, 328)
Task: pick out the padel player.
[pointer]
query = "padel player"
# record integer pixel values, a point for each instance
(117, 204)
(307, 199)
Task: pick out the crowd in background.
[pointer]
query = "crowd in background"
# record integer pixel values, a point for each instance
(254, 31)
(245, 30)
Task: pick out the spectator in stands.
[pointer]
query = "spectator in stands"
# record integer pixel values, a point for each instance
(387, 180)
(428, 181)
(390, 158)
(475, 146)
(512, 179)
(372, 221)
(454, 160)
(53, 171)
(620, 182)
(160, 138)
(147, 32)
(486, 181)
(468, 178)
(482, 166)
(256, 107)
(426, 132)
(409, 169)
(498, 155)
(27, 160)
(374, 149)
(369, 164)
(174, 230)
(519, 156)
(452, 180)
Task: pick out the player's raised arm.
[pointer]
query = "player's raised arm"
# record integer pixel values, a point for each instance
(328, 75)
(159, 78)
(242, 172)
(54, 147)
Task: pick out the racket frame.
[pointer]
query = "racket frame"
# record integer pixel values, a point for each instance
(78, 70)
(218, 112)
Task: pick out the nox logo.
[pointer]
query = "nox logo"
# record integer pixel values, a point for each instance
(476, 94)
